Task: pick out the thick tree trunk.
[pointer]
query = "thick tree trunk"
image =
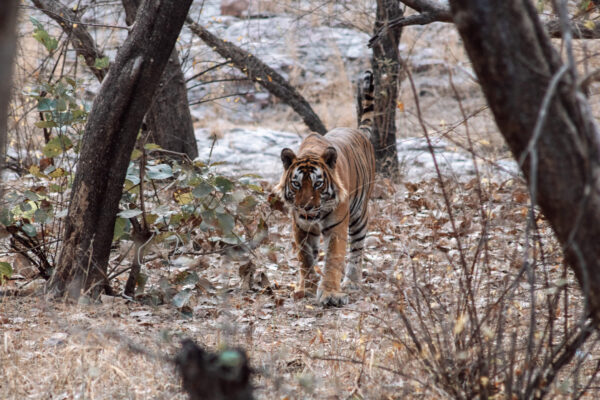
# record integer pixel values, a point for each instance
(262, 74)
(109, 138)
(169, 120)
(8, 19)
(386, 67)
(516, 66)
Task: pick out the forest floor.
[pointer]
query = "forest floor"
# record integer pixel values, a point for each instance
(449, 301)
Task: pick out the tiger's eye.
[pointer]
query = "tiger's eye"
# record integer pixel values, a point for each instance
(295, 185)
(318, 184)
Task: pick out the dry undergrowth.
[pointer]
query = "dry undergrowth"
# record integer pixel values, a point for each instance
(300, 350)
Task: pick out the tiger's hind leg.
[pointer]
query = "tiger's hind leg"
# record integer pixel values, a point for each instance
(307, 242)
(357, 231)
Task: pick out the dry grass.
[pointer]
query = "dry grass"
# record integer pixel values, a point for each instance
(301, 350)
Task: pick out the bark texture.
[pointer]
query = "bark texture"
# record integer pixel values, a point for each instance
(386, 67)
(8, 39)
(262, 74)
(516, 63)
(109, 138)
(169, 120)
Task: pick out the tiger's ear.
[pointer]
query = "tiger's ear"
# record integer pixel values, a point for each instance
(287, 157)
(330, 157)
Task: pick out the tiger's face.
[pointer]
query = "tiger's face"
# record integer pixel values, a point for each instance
(309, 185)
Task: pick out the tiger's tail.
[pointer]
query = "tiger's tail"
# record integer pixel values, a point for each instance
(365, 104)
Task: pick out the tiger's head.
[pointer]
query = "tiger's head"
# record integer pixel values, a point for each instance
(310, 183)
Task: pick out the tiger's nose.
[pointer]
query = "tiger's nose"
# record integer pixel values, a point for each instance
(308, 207)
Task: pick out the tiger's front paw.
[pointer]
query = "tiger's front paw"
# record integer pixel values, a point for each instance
(328, 298)
(349, 285)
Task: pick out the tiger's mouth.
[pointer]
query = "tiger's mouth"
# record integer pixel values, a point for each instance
(309, 215)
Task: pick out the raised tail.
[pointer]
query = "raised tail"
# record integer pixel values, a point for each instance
(365, 104)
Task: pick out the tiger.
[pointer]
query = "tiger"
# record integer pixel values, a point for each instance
(328, 185)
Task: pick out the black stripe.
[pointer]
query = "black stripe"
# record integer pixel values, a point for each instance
(361, 228)
(368, 108)
(357, 220)
(334, 225)
(358, 239)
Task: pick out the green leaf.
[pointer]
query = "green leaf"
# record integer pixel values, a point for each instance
(247, 205)
(6, 217)
(223, 184)
(29, 229)
(175, 219)
(6, 271)
(40, 34)
(56, 146)
(46, 104)
(101, 63)
(160, 171)
(61, 105)
(152, 146)
(135, 154)
(55, 188)
(41, 216)
(181, 298)
(202, 190)
(46, 124)
(134, 212)
(209, 219)
(120, 226)
(31, 195)
(36, 23)
(226, 222)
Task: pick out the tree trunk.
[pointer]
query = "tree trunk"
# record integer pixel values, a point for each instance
(169, 120)
(8, 39)
(386, 67)
(109, 138)
(517, 65)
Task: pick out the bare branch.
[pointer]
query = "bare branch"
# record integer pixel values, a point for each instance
(430, 11)
(579, 29)
(82, 40)
(262, 74)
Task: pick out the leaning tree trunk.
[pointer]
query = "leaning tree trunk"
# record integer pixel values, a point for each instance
(517, 65)
(109, 138)
(261, 73)
(169, 120)
(386, 67)
(8, 19)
